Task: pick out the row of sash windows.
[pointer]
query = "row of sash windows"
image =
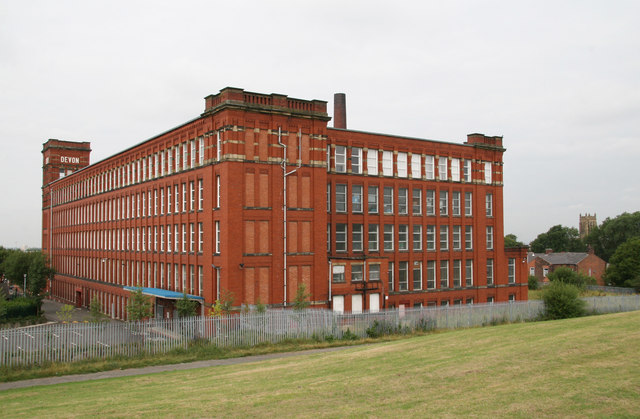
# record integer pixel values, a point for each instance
(455, 169)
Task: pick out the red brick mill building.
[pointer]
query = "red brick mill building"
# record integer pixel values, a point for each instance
(371, 221)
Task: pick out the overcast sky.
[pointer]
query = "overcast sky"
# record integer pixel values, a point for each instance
(560, 80)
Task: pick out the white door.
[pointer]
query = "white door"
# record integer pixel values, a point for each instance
(356, 303)
(374, 302)
(338, 303)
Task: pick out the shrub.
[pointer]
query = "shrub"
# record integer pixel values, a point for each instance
(562, 301)
(533, 283)
(20, 307)
(65, 314)
(569, 276)
(349, 335)
(95, 309)
(185, 306)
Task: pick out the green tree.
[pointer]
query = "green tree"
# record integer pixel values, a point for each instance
(301, 301)
(560, 239)
(612, 233)
(569, 276)
(533, 283)
(4, 253)
(35, 264)
(511, 240)
(95, 310)
(15, 266)
(3, 307)
(624, 266)
(39, 271)
(186, 307)
(562, 301)
(139, 306)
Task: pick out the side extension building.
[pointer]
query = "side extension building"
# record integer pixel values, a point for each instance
(258, 196)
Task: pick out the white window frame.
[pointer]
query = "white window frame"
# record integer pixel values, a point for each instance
(443, 168)
(512, 270)
(417, 237)
(431, 274)
(489, 237)
(403, 237)
(457, 238)
(468, 272)
(341, 237)
(373, 237)
(487, 173)
(489, 271)
(387, 199)
(489, 204)
(372, 162)
(444, 274)
(429, 168)
(403, 201)
(387, 163)
(416, 166)
(340, 158)
(457, 273)
(373, 207)
(356, 160)
(416, 279)
(217, 227)
(467, 170)
(431, 237)
(416, 201)
(468, 204)
(455, 203)
(403, 276)
(430, 199)
(443, 203)
(444, 237)
(402, 165)
(455, 170)
(341, 197)
(356, 237)
(388, 237)
(356, 198)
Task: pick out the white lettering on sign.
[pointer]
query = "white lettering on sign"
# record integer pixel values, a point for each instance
(65, 159)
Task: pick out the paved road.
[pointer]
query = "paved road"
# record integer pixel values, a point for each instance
(158, 368)
(51, 307)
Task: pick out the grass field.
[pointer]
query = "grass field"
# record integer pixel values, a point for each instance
(569, 368)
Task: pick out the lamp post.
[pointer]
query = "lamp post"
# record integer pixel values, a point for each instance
(24, 288)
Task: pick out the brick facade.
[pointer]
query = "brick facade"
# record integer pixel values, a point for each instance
(587, 263)
(199, 209)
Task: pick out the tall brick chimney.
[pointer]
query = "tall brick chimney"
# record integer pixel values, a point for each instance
(340, 111)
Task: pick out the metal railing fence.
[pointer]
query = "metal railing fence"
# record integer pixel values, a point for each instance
(79, 341)
(612, 290)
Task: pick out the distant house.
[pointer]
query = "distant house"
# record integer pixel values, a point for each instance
(587, 263)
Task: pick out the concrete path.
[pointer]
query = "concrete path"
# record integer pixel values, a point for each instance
(51, 308)
(159, 368)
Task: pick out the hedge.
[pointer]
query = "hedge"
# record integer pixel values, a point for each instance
(20, 307)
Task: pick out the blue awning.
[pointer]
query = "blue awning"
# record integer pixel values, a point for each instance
(161, 293)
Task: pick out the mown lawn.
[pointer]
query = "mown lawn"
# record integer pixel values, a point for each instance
(569, 368)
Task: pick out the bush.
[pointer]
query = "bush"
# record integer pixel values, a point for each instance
(533, 283)
(569, 276)
(562, 301)
(21, 307)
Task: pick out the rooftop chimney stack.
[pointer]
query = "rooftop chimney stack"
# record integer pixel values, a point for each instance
(340, 111)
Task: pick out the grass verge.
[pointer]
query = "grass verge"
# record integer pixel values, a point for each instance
(584, 367)
(195, 352)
